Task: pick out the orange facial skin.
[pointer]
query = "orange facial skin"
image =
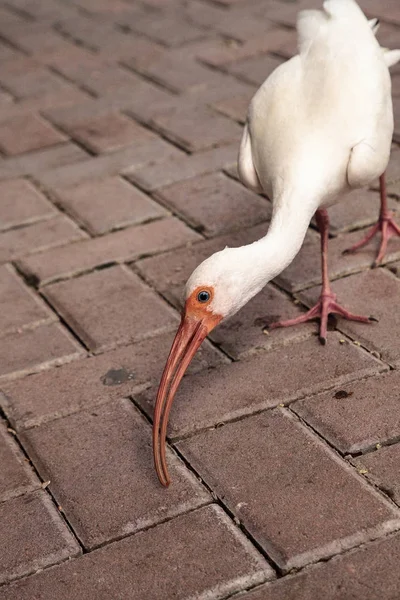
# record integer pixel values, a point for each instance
(197, 321)
(200, 310)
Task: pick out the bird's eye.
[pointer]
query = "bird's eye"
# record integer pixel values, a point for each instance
(203, 296)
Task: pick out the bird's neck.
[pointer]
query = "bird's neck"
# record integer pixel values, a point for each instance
(270, 255)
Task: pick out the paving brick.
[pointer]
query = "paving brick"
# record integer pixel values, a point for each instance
(305, 270)
(168, 273)
(18, 65)
(65, 95)
(36, 82)
(367, 573)
(374, 293)
(382, 470)
(356, 417)
(72, 116)
(215, 203)
(241, 388)
(20, 307)
(115, 100)
(128, 244)
(35, 162)
(38, 236)
(196, 127)
(22, 134)
(34, 536)
(6, 52)
(40, 44)
(93, 72)
(132, 157)
(295, 474)
(5, 99)
(227, 87)
(89, 203)
(282, 12)
(68, 61)
(153, 177)
(395, 268)
(35, 350)
(111, 307)
(360, 209)
(76, 386)
(22, 204)
(214, 560)
(222, 52)
(178, 71)
(16, 476)
(255, 70)
(114, 442)
(243, 26)
(48, 11)
(102, 6)
(170, 30)
(235, 107)
(110, 132)
(243, 334)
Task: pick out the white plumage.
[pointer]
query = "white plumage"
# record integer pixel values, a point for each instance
(320, 126)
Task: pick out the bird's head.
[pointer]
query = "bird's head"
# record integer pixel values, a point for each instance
(217, 289)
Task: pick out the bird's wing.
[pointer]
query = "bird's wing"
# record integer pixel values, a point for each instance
(247, 172)
(311, 23)
(366, 163)
(392, 57)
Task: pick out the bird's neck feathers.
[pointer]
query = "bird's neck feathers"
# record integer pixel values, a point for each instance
(270, 255)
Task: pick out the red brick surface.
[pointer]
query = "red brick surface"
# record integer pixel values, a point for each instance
(295, 475)
(357, 416)
(226, 205)
(91, 381)
(40, 236)
(367, 573)
(23, 134)
(241, 388)
(33, 536)
(20, 307)
(89, 204)
(126, 245)
(36, 349)
(382, 469)
(22, 204)
(16, 476)
(114, 430)
(199, 554)
(88, 304)
(120, 123)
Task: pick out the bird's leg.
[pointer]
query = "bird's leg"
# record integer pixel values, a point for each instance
(386, 224)
(326, 304)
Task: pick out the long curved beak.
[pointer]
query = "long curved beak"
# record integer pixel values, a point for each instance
(191, 333)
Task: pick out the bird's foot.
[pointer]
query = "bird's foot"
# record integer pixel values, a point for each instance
(388, 226)
(325, 306)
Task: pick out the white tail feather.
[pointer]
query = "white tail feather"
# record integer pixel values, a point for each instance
(392, 57)
(374, 24)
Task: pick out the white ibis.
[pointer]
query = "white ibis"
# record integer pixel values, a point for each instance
(320, 126)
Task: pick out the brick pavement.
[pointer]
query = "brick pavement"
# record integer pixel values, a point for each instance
(119, 130)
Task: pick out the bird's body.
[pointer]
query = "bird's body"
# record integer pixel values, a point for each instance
(320, 126)
(322, 123)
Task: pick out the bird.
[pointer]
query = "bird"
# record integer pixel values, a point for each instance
(320, 126)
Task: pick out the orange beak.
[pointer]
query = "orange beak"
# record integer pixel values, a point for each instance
(190, 335)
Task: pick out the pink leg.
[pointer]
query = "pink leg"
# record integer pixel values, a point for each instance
(326, 304)
(386, 224)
